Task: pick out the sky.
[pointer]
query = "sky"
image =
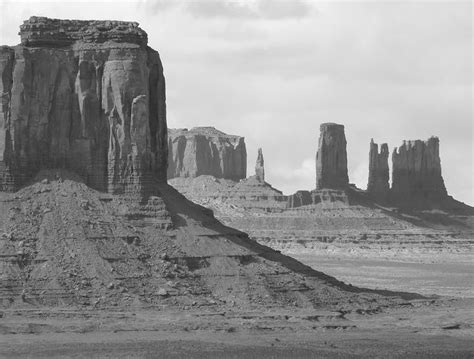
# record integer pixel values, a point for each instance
(274, 70)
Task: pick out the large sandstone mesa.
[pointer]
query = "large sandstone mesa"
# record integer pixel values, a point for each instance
(331, 158)
(206, 151)
(88, 96)
(378, 185)
(416, 172)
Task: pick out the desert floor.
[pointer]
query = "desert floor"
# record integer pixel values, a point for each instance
(438, 327)
(454, 278)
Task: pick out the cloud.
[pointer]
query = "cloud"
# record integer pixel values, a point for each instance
(158, 6)
(236, 9)
(291, 177)
(281, 9)
(222, 9)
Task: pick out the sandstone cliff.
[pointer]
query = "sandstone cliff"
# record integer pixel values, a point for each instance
(331, 158)
(416, 172)
(378, 186)
(88, 96)
(206, 151)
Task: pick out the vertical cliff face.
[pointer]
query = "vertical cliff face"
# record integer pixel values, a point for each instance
(206, 151)
(378, 185)
(88, 96)
(260, 167)
(331, 158)
(417, 171)
(7, 55)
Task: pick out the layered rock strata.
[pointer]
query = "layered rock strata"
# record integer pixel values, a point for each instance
(416, 172)
(43, 31)
(246, 195)
(88, 96)
(331, 158)
(378, 185)
(206, 151)
(322, 197)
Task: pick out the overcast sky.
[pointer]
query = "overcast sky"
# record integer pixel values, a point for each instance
(273, 71)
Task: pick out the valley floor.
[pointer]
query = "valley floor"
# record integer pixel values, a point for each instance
(424, 329)
(453, 278)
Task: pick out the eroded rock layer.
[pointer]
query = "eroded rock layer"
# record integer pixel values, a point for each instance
(88, 96)
(417, 171)
(323, 196)
(331, 158)
(43, 31)
(206, 151)
(379, 175)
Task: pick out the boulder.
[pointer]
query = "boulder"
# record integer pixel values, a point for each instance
(87, 96)
(206, 151)
(331, 158)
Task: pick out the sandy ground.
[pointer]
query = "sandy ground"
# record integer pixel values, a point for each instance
(445, 279)
(437, 327)
(442, 329)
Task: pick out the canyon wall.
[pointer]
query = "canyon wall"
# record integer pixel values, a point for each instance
(416, 171)
(378, 185)
(88, 96)
(331, 158)
(206, 151)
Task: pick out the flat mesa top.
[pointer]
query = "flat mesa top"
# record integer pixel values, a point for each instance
(206, 131)
(432, 141)
(330, 124)
(43, 31)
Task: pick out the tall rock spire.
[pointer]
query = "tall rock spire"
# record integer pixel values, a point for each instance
(379, 175)
(331, 158)
(259, 167)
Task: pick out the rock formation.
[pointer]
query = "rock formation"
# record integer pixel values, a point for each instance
(331, 158)
(83, 104)
(259, 167)
(206, 151)
(416, 172)
(299, 199)
(88, 96)
(378, 186)
(321, 198)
